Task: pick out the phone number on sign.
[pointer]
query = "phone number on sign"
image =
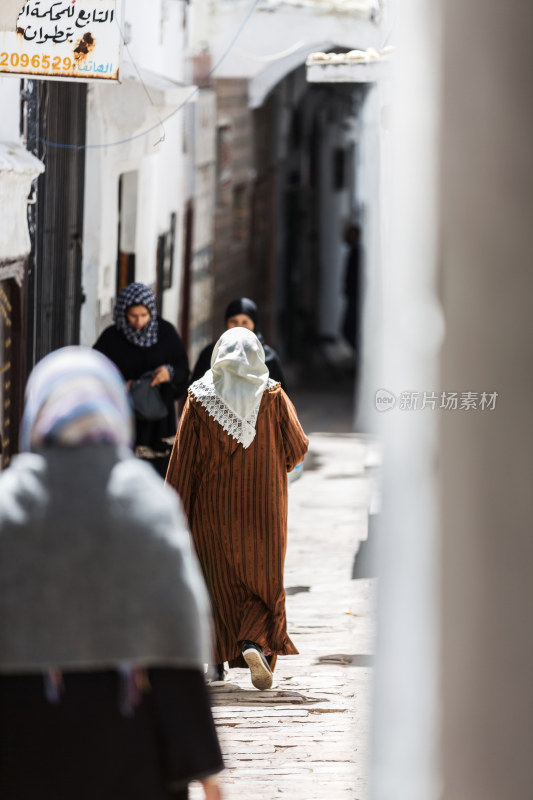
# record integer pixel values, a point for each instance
(56, 65)
(37, 62)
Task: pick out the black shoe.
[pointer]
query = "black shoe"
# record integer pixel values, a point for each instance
(216, 673)
(260, 672)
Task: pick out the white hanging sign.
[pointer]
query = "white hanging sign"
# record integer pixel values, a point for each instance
(62, 39)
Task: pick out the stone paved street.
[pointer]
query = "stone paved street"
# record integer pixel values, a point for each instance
(309, 736)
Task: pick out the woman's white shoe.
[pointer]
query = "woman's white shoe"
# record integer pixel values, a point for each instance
(261, 673)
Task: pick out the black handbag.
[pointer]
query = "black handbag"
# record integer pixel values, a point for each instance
(147, 401)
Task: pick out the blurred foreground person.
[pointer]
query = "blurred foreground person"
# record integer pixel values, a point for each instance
(242, 313)
(142, 344)
(238, 437)
(105, 617)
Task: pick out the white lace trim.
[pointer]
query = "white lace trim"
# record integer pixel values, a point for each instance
(243, 430)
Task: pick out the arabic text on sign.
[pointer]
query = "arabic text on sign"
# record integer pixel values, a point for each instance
(58, 10)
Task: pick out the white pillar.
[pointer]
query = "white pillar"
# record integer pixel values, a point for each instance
(406, 691)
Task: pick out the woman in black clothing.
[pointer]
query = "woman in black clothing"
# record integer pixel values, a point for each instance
(242, 313)
(141, 342)
(84, 747)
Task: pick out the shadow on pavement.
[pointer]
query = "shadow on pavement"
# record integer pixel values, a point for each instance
(347, 660)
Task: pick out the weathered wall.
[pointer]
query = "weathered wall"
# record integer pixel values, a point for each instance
(10, 105)
(202, 283)
(233, 278)
(8, 14)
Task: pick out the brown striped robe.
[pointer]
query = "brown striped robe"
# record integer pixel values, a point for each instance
(236, 503)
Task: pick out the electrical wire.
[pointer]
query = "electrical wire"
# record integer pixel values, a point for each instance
(146, 90)
(194, 92)
(274, 56)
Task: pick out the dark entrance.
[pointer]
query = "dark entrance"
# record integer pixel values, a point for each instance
(12, 372)
(53, 118)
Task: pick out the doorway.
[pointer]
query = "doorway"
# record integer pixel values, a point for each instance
(127, 228)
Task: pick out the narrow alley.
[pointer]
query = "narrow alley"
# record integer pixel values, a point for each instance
(309, 736)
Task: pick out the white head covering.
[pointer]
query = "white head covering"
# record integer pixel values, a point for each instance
(232, 389)
(240, 375)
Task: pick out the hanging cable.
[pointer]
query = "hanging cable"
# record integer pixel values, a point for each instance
(161, 122)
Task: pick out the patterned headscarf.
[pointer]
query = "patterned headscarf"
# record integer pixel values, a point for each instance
(136, 294)
(75, 396)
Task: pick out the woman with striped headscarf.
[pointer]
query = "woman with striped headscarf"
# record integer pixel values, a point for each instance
(105, 618)
(141, 342)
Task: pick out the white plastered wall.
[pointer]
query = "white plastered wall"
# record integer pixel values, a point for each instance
(154, 57)
(406, 707)
(273, 35)
(10, 105)
(18, 168)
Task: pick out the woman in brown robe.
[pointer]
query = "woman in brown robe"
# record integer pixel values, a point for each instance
(237, 439)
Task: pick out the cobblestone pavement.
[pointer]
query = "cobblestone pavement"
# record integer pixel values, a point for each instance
(309, 736)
